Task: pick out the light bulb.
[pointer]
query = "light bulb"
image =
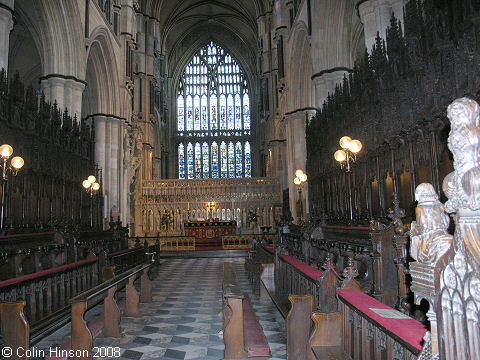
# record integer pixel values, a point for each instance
(296, 181)
(345, 142)
(355, 146)
(91, 179)
(340, 155)
(298, 173)
(95, 186)
(6, 151)
(303, 177)
(86, 184)
(17, 162)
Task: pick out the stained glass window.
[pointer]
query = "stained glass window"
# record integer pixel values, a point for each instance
(223, 157)
(196, 113)
(181, 161)
(246, 111)
(248, 163)
(238, 113)
(213, 112)
(204, 113)
(214, 160)
(198, 161)
(180, 113)
(191, 167)
(213, 104)
(223, 112)
(231, 160)
(189, 113)
(238, 159)
(206, 160)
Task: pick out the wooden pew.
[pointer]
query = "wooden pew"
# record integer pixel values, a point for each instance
(293, 276)
(382, 333)
(45, 295)
(242, 333)
(377, 252)
(82, 338)
(255, 263)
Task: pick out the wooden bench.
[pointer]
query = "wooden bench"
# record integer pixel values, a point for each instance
(82, 338)
(43, 297)
(16, 327)
(359, 330)
(242, 333)
(292, 276)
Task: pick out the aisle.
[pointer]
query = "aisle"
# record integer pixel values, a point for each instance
(186, 314)
(184, 319)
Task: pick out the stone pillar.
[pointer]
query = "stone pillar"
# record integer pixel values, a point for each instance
(6, 25)
(114, 165)
(325, 83)
(296, 159)
(375, 16)
(65, 91)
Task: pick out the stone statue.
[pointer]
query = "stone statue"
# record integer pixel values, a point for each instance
(429, 236)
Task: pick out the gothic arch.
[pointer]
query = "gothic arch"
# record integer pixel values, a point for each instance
(300, 69)
(101, 94)
(50, 20)
(330, 35)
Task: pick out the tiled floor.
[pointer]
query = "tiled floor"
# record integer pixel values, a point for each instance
(184, 320)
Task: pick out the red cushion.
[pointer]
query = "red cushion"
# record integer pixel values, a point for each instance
(409, 330)
(45, 272)
(269, 248)
(124, 251)
(304, 268)
(256, 343)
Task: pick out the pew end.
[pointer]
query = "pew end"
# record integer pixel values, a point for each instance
(326, 339)
(15, 327)
(298, 326)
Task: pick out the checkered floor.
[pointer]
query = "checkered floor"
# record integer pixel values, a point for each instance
(184, 320)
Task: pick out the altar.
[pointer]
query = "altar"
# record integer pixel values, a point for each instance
(209, 233)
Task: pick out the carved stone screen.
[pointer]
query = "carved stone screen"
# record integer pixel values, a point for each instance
(213, 117)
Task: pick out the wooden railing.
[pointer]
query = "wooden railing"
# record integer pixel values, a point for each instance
(377, 252)
(125, 259)
(23, 254)
(46, 293)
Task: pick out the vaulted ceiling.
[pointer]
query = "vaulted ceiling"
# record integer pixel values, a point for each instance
(180, 19)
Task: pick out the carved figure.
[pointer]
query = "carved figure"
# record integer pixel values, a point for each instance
(463, 185)
(430, 239)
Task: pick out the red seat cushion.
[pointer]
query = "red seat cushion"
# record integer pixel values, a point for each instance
(304, 268)
(256, 343)
(409, 330)
(269, 248)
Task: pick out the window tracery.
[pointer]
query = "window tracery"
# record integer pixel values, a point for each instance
(213, 117)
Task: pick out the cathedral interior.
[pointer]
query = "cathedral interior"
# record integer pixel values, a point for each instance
(213, 179)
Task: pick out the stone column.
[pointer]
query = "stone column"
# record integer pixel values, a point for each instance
(67, 92)
(296, 158)
(375, 16)
(75, 107)
(6, 25)
(325, 83)
(114, 164)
